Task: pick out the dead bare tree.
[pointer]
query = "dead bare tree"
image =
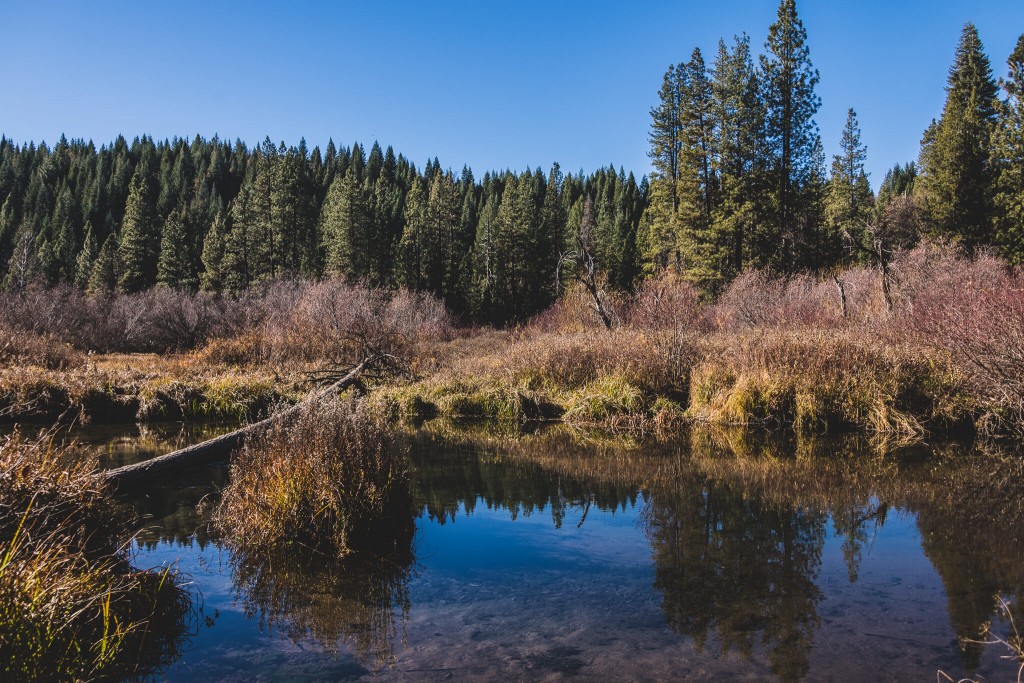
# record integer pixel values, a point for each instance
(841, 286)
(897, 227)
(583, 268)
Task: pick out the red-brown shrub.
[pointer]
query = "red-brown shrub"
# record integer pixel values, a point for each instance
(665, 302)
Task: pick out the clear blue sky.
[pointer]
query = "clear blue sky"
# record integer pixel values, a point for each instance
(494, 85)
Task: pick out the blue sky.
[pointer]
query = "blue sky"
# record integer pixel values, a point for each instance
(494, 85)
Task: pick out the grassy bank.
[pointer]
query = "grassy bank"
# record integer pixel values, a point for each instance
(329, 480)
(72, 606)
(936, 351)
(118, 388)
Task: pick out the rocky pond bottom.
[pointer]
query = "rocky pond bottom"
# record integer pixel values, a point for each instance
(548, 557)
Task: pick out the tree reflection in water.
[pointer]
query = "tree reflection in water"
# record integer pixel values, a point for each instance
(737, 524)
(727, 564)
(352, 600)
(738, 521)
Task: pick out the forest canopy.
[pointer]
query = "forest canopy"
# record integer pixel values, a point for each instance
(739, 180)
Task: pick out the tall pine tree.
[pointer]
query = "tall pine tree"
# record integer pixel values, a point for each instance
(788, 81)
(956, 177)
(849, 201)
(1007, 160)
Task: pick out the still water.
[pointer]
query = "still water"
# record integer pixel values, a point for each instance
(554, 555)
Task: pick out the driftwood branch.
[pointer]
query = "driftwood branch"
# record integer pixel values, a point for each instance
(222, 446)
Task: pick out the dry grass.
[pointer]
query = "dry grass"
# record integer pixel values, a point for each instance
(71, 605)
(820, 380)
(19, 347)
(127, 388)
(772, 351)
(328, 480)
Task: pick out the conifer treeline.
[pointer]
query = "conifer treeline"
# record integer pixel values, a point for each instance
(739, 181)
(220, 217)
(739, 174)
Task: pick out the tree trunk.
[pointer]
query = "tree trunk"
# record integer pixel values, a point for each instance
(220, 447)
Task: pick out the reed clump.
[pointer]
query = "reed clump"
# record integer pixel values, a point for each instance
(72, 606)
(330, 479)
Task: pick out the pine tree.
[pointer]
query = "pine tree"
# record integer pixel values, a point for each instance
(484, 259)
(899, 181)
(104, 271)
(175, 268)
(661, 227)
(956, 178)
(849, 200)
(86, 258)
(740, 125)
(139, 243)
(266, 253)
(789, 79)
(516, 294)
(1008, 161)
(237, 265)
(386, 217)
(701, 253)
(23, 264)
(8, 228)
(291, 214)
(345, 225)
(444, 250)
(414, 237)
(213, 255)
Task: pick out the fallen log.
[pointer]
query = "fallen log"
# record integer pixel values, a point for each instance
(200, 454)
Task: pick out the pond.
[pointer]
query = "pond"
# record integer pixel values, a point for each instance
(554, 555)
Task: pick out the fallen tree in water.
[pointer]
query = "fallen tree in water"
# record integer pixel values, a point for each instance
(222, 446)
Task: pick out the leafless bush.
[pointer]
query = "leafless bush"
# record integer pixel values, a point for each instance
(971, 309)
(339, 323)
(287, 320)
(757, 299)
(28, 348)
(664, 302)
(574, 312)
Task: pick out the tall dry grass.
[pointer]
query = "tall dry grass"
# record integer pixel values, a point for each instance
(330, 480)
(72, 607)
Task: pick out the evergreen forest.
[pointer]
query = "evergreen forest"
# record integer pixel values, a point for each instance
(739, 180)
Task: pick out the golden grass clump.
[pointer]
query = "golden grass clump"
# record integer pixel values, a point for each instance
(72, 607)
(824, 380)
(329, 479)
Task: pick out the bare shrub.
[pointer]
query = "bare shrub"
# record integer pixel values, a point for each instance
(664, 302)
(972, 310)
(574, 312)
(339, 323)
(28, 348)
(757, 299)
(286, 320)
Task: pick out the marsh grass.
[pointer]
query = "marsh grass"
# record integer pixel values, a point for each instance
(130, 388)
(72, 606)
(329, 480)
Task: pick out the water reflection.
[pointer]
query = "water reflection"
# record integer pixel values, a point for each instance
(737, 524)
(738, 529)
(309, 597)
(741, 570)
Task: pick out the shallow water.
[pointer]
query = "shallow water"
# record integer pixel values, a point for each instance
(546, 558)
